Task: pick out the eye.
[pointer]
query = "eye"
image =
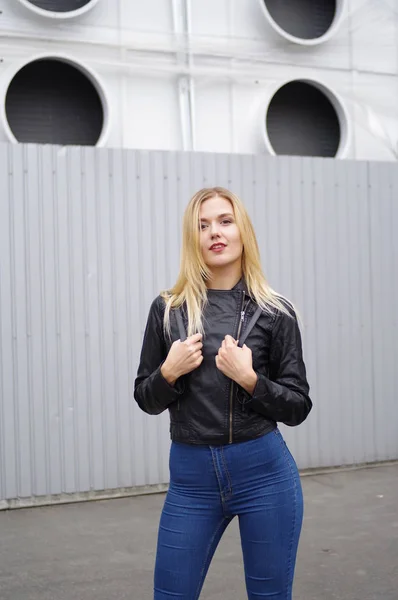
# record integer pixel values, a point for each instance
(226, 221)
(202, 226)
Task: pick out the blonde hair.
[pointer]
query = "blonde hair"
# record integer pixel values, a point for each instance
(190, 288)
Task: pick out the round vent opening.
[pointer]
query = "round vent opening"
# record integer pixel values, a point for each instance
(51, 101)
(305, 119)
(304, 21)
(59, 8)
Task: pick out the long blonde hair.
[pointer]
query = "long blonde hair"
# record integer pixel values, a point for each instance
(190, 288)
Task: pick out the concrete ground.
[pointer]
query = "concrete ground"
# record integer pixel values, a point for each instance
(105, 550)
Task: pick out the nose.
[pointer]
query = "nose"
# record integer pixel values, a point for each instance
(214, 229)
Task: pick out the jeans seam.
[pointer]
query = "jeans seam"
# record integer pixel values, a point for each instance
(289, 566)
(219, 481)
(205, 562)
(227, 473)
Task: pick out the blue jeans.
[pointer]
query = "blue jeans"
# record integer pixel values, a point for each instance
(257, 481)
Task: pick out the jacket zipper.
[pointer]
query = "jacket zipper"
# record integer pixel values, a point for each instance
(231, 395)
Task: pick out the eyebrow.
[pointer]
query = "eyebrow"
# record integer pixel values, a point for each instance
(221, 216)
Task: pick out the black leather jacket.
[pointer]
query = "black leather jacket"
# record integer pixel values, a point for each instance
(205, 406)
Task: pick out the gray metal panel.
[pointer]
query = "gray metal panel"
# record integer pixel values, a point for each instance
(118, 192)
(383, 221)
(76, 240)
(92, 264)
(52, 421)
(135, 315)
(362, 358)
(8, 455)
(35, 316)
(89, 237)
(20, 322)
(305, 296)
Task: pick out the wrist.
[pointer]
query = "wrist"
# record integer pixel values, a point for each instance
(167, 374)
(249, 381)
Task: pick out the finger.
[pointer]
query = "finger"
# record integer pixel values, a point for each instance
(195, 347)
(199, 361)
(229, 341)
(219, 363)
(192, 339)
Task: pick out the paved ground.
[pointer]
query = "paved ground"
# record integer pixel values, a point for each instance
(105, 550)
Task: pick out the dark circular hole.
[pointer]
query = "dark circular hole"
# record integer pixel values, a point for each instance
(301, 121)
(60, 5)
(305, 19)
(51, 102)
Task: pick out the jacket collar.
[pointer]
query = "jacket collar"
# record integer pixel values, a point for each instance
(241, 285)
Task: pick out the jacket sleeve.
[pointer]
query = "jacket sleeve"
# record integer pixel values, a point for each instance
(152, 392)
(283, 396)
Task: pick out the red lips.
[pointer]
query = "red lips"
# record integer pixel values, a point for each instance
(217, 246)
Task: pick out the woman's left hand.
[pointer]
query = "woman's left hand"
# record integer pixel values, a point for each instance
(236, 363)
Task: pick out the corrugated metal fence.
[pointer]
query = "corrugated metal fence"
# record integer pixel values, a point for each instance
(87, 239)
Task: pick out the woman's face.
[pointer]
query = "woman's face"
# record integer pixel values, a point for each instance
(220, 240)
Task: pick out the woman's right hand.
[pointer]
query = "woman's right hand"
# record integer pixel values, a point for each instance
(183, 357)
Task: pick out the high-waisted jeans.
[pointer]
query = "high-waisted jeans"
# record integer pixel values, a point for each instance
(257, 481)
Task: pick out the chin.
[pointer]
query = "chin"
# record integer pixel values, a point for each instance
(219, 263)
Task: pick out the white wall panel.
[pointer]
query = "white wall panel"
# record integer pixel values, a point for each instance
(99, 24)
(250, 28)
(211, 20)
(149, 16)
(371, 96)
(88, 237)
(140, 51)
(374, 36)
(214, 130)
(158, 100)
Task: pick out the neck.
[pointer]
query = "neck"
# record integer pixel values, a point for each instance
(224, 279)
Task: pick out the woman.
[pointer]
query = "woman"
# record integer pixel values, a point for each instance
(226, 382)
